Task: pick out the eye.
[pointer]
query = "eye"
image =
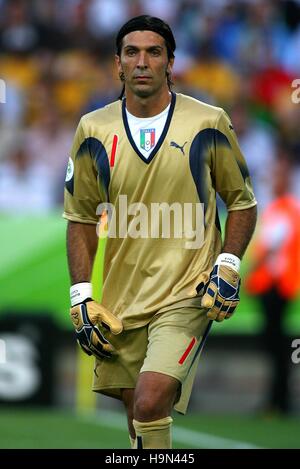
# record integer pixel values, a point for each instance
(155, 52)
(131, 52)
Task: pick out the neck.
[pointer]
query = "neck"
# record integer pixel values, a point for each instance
(149, 106)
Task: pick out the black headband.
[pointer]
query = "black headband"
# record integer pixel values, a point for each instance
(147, 23)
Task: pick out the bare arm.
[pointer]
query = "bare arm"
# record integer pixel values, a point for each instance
(240, 225)
(82, 243)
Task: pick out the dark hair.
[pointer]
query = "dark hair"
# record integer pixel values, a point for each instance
(148, 23)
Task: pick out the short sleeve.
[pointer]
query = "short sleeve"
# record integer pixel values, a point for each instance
(81, 194)
(229, 169)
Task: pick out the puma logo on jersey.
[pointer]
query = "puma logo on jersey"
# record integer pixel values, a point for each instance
(174, 144)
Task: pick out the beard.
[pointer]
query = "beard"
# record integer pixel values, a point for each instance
(143, 93)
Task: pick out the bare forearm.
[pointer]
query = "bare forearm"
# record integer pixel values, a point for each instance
(82, 243)
(239, 229)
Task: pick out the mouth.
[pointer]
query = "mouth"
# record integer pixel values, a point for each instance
(142, 78)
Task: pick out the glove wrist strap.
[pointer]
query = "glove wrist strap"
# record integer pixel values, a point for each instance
(80, 292)
(229, 260)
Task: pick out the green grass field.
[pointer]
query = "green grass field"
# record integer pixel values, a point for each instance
(50, 429)
(34, 277)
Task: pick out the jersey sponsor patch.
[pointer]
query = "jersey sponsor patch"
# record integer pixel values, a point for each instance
(70, 170)
(180, 147)
(147, 139)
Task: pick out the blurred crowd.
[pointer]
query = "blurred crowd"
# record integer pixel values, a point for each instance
(57, 62)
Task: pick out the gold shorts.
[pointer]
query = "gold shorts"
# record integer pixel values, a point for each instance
(170, 344)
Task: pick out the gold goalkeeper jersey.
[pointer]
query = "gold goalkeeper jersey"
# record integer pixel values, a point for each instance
(164, 232)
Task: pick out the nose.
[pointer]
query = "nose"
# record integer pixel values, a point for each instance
(142, 62)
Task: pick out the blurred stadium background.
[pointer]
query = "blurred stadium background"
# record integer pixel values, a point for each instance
(56, 60)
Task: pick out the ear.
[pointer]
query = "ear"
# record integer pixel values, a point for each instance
(118, 63)
(170, 65)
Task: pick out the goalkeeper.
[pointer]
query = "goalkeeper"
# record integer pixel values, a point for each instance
(161, 291)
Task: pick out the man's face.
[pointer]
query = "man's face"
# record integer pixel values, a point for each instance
(144, 63)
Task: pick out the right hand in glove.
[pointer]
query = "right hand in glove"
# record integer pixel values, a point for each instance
(222, 292)
(88, 317)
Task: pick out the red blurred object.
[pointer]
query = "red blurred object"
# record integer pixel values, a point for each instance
(269, 83)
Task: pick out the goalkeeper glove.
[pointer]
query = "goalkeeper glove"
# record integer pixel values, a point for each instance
(87, 317)
(222, 292)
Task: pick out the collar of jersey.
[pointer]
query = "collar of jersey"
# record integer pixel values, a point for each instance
(162, 137)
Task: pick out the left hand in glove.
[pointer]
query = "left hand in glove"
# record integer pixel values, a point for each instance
(88, 318)
(222, 293)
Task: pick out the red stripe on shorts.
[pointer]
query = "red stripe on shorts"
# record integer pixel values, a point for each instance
(113, 151)
(187, 351)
